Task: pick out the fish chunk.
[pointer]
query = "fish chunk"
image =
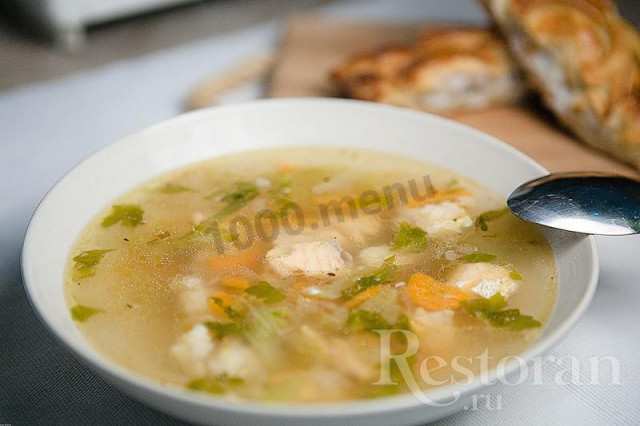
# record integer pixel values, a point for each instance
(483, 279)
(444, 217)
(436, 330)
(192, 350)
(193, 294)
(233, 358)
(313, 259)
(357, 230)
(375, 256)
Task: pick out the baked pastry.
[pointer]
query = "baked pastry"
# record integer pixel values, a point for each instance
(584, 59)
(446, 69)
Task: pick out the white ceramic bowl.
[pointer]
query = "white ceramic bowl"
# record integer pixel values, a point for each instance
(107, 174)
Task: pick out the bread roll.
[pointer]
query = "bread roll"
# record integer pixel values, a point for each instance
(447, 69)
(584, 59)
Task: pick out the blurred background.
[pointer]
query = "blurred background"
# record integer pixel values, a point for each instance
(43, 39)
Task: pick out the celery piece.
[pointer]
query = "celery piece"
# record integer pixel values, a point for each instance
(515, 275)
(478, 257)
(402, 323)
(488, 216)
(86, 262)
(216, 385)
(208, 226)
(479, 307)
(410, 238)
(241, 195)
(513, 319)
(127, 214)
(491, 310)
(382, 275)
(173, 188)
(223, 329)
(266, 292)
(82, 313)
(362, 320)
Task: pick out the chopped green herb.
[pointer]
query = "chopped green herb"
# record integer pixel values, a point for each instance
(513, 319)
(173, 188)
(82, 313)
(410, 238)
(86, 262)
(402, 322)
(239, 197)
(478, 257)
(491, 310)
(481, 221)
(206, 385)
(222, 329)
(217, 385)
(266, 292)
(515, 275)
(362, 320)
(127, 214)
(208, 226)
(478, 307)
(128, 306)
(382, 275)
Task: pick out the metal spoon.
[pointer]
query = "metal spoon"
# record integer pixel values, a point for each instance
(588, 203)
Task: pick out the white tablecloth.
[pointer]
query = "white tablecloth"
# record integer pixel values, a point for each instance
(47, 128)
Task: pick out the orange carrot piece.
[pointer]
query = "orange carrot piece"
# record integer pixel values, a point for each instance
(360, 298)
(439, 196)
(231, 264)
(237, 283)
(285, 167)
(434, 295)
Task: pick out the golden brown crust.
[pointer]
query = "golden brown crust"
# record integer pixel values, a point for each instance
(434, 72)
(584, 58)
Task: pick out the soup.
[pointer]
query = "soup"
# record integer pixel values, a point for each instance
(309, 275)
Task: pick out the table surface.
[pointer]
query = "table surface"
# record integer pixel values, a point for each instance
(47, 128)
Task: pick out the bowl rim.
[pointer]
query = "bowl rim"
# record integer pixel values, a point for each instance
(114, 372)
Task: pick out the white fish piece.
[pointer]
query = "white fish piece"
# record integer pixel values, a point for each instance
(193, 294)
(357, 230)
(194, 301)
(192, 350)
(375, 256)
(484, 279)
(234, 358)
(313, 259)
(439, 218)
(436, 330)
(188, 281)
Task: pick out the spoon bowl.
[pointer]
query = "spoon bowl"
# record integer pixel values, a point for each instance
(588, 203)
